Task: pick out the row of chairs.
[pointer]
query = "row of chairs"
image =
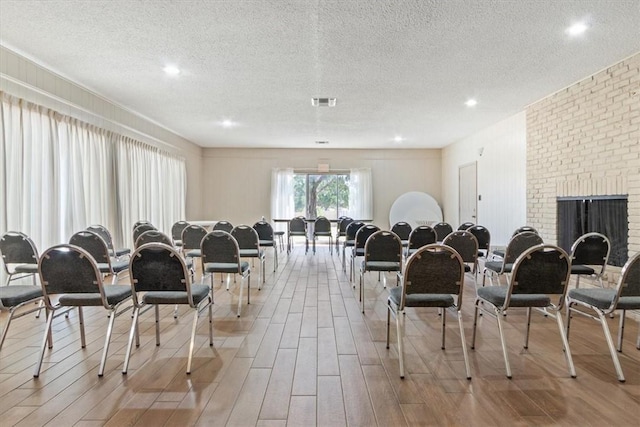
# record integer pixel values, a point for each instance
(433, 276)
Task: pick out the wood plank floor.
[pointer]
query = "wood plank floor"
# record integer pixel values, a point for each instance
(303, 354)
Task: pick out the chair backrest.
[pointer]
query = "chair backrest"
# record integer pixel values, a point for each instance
(140, 222)
(363, 234)
(523, 229)
(220, 247)
(541, 269)
(442, 230)
(465, 243)
(629, 282)
(103, 232)
(343, 224)
(17, 248)
(465, 225)
(520, 243)
(246, 237)
(383, 246)
(322, 225)
(153, 236)
(298, 225)
(402, 229)
(434, 269)
(591, 249)
(223, 226)
(69, 269)
(141, 229)
(264, 230)
(192, 236)
(159, 267)
(176, 229)
(352, 229)
(482, 235)
(422, 236)
(93, 244)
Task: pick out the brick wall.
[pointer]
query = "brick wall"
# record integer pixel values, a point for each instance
(585, 141)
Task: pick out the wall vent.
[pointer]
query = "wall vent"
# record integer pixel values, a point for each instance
(323, 102)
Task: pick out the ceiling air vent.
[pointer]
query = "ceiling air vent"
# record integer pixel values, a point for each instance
(323, 102)
(322, 142)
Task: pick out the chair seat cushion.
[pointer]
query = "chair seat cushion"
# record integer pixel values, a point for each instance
(349, 243)
(251, 253)
(581, 269)
(420, 300)
(498, 253)
(497, 294)
(114, 294)
(122, 252)
(266, 243)
(357, 252)
(322, 233)
(194, 253)
(497, 266)
(225, 267)
(380, 266)
(17, 294)
(26, 268)
(199, 293)
(602, 298)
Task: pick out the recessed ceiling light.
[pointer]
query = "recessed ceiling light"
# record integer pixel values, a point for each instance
(398, 138)
(171, 70)
(228, 123)
(471, 103)
(577, 29)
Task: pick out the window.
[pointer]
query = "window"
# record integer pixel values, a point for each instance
(321, 194)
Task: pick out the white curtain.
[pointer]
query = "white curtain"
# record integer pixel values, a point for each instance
(360, 194)
(151, 186)
(282, 204)
(59, 175)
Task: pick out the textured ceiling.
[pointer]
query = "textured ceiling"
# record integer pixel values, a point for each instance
(397, 67)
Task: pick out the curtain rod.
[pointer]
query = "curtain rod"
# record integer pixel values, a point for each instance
(316, 172)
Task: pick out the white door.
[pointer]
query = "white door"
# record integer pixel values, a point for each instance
(468, 192)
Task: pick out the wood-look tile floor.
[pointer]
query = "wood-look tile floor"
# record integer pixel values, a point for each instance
(303, 354)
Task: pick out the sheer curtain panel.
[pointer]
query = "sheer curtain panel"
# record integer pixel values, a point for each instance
(360, 194)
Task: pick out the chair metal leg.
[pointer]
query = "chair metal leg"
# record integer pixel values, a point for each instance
(107, 340)
(565, 343)
(211, 323)
(400, 333)
(83, 342)
(6, 327)
(620, 330)
(193, 338)
(175, 311)
(475, 325)
(464, 346)
(388, 322)
(526, 336)
(132, 333)
(444, 324)
(612, 349)
(45, 339)
(504, 344)
(240, 297)
(156, 309)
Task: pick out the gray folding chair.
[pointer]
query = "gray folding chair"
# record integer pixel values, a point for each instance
(103, 232)
(382, 253)
(176, 232)
(221, 254)
(626, 296)
(71, 274)
(442, 229)
(466, 245)
(19, 256)
(13, 299)
(159, 276)
(517, 245)
(249, 246)
(539, 273)
(421, 236)
(589, 256)
(433, 277)
(267, 240)
(297, 228)
(322, 228)
(97, 247)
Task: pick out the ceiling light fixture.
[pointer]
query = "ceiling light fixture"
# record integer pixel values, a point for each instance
(577, 29)
(398, 138)
(323, 102)
(171, 70)
(228, 123)
(471, 103)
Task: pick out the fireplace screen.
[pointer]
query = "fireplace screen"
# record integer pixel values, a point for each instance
(602, 214)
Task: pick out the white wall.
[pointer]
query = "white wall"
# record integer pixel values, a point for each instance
(237, 182)
(25, 79)
(502, 180)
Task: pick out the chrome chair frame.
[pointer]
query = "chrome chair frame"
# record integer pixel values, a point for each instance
(322, 228)
(382, 253)
(590, 249)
